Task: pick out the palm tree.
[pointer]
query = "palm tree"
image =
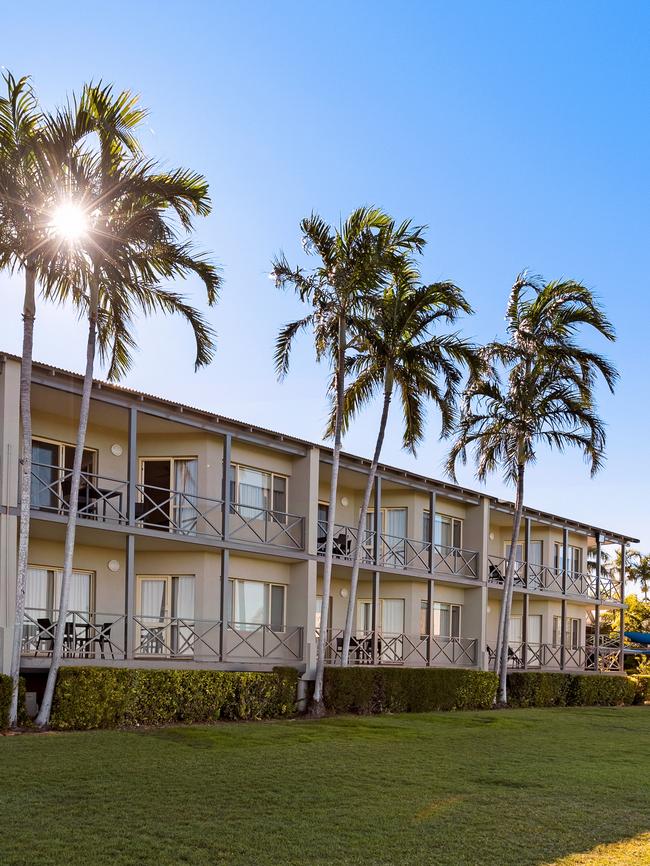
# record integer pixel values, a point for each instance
(538, 390)
(129, 245)
(395, 351)
(356, 261)
(31, 182)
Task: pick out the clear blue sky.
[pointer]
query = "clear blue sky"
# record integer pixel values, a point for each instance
(518, 132)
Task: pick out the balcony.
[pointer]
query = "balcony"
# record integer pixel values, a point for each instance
(401, 649)
(546, 656)
(105, 500)
(97, 637)
(549, 579)
(396, 551)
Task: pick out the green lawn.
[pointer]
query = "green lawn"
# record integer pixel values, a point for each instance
(505, 788)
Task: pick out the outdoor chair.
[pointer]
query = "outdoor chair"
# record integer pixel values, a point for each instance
(44, 633)
(495, 574)
(102, 639)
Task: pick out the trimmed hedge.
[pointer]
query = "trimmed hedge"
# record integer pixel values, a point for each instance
(550, 689)
(367, 690)
(5, 702)
(642, 688)
(93, 697)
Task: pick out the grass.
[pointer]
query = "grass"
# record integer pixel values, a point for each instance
(511, 788)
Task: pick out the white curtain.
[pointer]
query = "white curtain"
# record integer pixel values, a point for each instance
(253, 493)
(183, 608)
(392, 616)
(153, 598)
(441, 620)
(250, 602)
(36, 590)
(79, 599)
(185, 483)
(515, 630)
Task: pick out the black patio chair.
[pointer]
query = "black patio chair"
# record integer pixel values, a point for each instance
(102, 638)
(44, 632)
(495, 574)
(514, 658)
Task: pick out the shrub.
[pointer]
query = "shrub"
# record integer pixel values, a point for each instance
(550, 689)
(641, 688)
(93, 697)
(397, 690)
(5, 703)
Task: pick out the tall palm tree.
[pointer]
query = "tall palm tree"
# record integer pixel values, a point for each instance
(356, 261)
(538, 390)
(31, 182)
(396, 351)
(128, 245)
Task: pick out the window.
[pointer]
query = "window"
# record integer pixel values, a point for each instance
(515, 630)
(390, 619)
(574, 558)
(254, 492)
(52, 464)
(393, 534)
(165, 630)
(446, 619)
(572, 632)
(43, 589)
(448, 530)
(256, 603)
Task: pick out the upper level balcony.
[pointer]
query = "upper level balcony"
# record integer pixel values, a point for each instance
(398, 552)
(180, 512)
(534, 576)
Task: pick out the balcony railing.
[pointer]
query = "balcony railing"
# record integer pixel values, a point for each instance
(159, 508)
(177, 512)
(345, 542)
(455, 561)
(100, 498)
(95, 636)
(397, 551)
(266, 526)
(550, 579)
(547, 656)
(401, 649)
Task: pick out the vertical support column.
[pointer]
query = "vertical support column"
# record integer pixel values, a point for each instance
(129, 597)
(565, 575)
(432, 531)
(429, 622)
(225, 486)
(524, 617)
(596, 663)
(132, 467)
(374, 619)
(225, 604)
(621, 663)
(524, 631)
(376, 624)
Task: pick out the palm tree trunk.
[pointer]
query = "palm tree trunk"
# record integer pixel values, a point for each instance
(506, 605)
(43, 717)
(317, 708)
(25, 488)
(361, 528)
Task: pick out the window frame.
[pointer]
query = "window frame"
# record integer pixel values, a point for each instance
(233, 481)
(268, 585)
(51, 589)
(455, 522)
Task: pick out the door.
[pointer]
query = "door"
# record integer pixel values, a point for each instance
(154, 596)
(535, 553)
(392, 629)
(155, 479)
(46, 488)
(393, 535)
(534, 649)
